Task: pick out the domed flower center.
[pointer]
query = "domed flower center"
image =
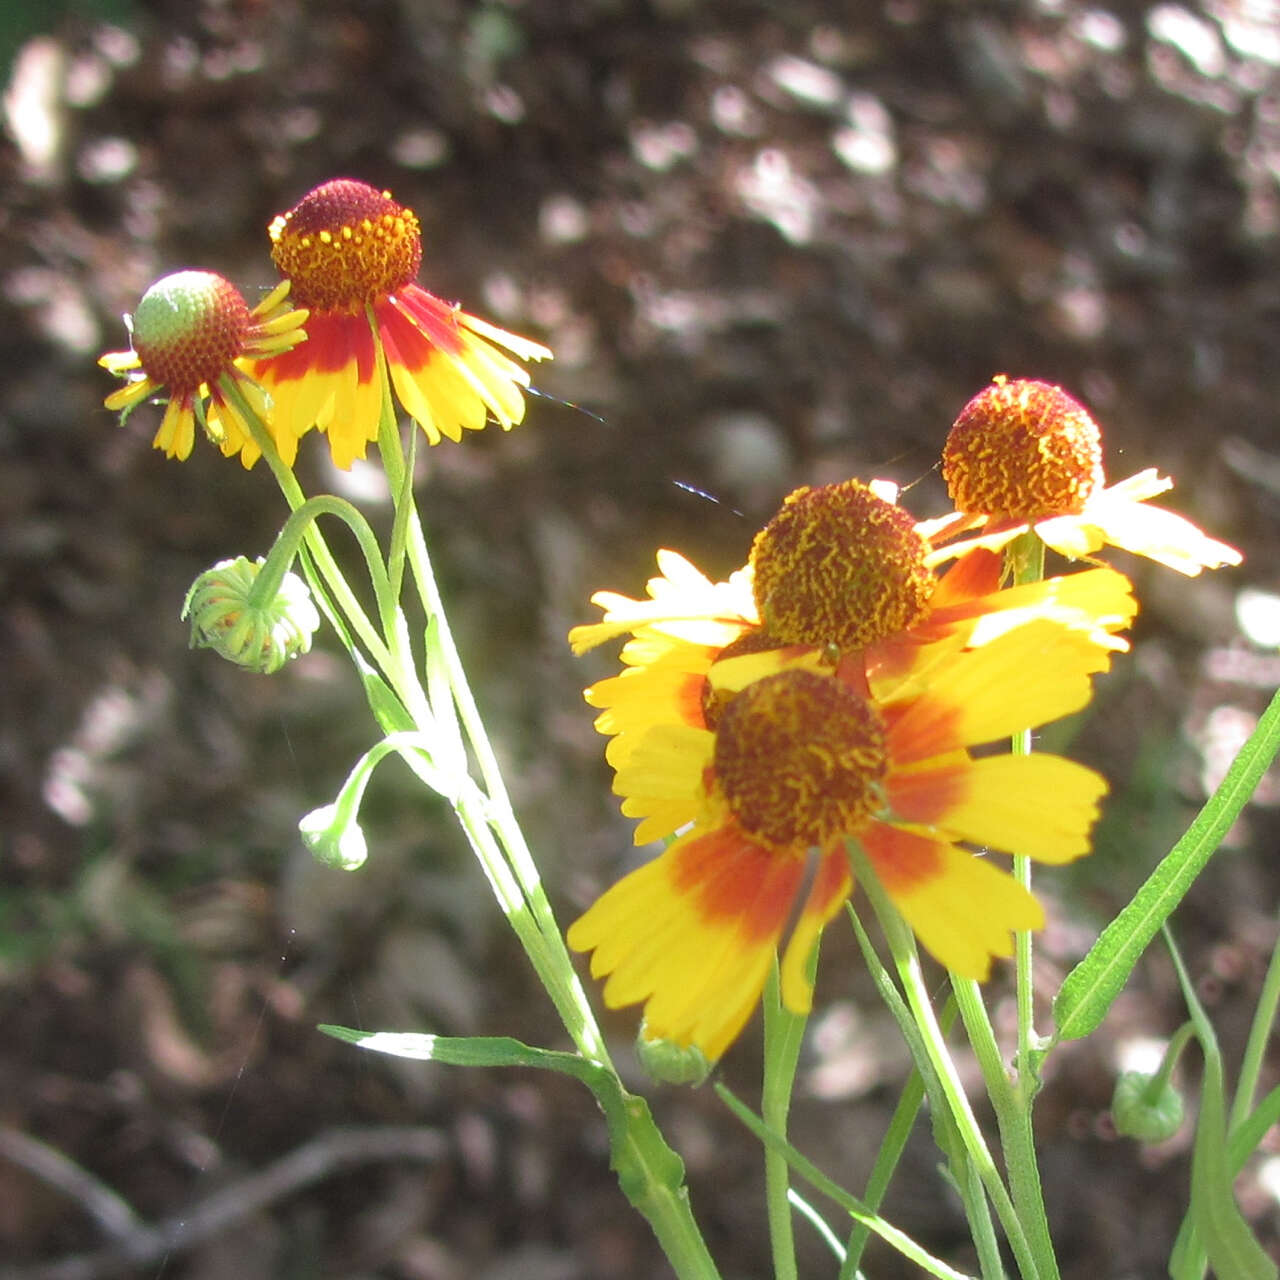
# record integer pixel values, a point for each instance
(800, 759)
(840, 565)
(1024, 450)
(345, 245)
(714, 700)
(188, 328)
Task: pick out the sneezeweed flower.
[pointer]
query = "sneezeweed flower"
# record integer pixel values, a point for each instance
(352, 254)
(839, 568)
(191, 334)
(803, 756)
(1024, 455)
(227, 617)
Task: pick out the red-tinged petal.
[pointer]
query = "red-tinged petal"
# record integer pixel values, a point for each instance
(961, 907)
(436, 319)
(1024, 678)
(710, 987)
(925, 794)
(693, 934)
(1040, 806)
(972, 577)
(831, 887)
(1098, 602)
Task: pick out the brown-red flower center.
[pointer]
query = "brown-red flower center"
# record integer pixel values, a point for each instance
(1023, 450)
(839, 565)
(800, 759)
(346, 245)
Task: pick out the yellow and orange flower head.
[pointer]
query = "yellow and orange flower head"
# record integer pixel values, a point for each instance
(803, 757)
(1025, 455)
(192, 335)
(839, 569)
(352, 254)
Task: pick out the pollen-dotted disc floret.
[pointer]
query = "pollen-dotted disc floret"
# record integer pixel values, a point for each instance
(839, 565)
(188, 328)
(192, 335)
(346, 245)
(1023, 450)
(800, 759)
(226, 616)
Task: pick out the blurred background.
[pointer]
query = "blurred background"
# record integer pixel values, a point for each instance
(771, 244)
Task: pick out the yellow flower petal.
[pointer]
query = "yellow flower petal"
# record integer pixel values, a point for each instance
(1025, 678)
(961, 907)
(1040, 806)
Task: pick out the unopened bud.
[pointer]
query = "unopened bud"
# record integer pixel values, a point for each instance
(260, 638)
(335, 838)
(671, 1063)
(1143, 1113)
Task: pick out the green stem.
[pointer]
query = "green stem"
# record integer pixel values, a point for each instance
(1025, 560)
(907, 962)
(850, 1204)
(891, 1148)
(384, 655)
(291, 536)
(1264, 1017)
(1013, 1103)
(946, 1131)
(544, 937)
(1013, 1118)
(783, 1037)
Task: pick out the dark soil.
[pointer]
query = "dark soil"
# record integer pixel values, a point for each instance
(772, 244)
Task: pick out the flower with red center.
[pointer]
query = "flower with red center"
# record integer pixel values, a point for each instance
(1024, 455)
(838, 569)
(352, 254)
(805, 756)
(192, 333)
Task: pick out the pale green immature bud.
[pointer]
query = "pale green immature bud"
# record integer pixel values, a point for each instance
(335, 837)
(671, 1063)
(1150, 1115)
(258, 637)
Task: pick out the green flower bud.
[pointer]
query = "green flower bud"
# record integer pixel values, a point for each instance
(1140, 1114)
(671, 1063)
(335, 839)
(258, 637)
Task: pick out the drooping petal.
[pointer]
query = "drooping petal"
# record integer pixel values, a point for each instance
(832, 884)
(692, 934)
(961, 907)
(177, 432)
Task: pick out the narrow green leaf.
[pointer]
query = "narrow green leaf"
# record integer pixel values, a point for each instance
(650, 1174)
(810, 1172)
(1094, 983)
(1231, 1248)
(464, 1051)
(387, 709)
